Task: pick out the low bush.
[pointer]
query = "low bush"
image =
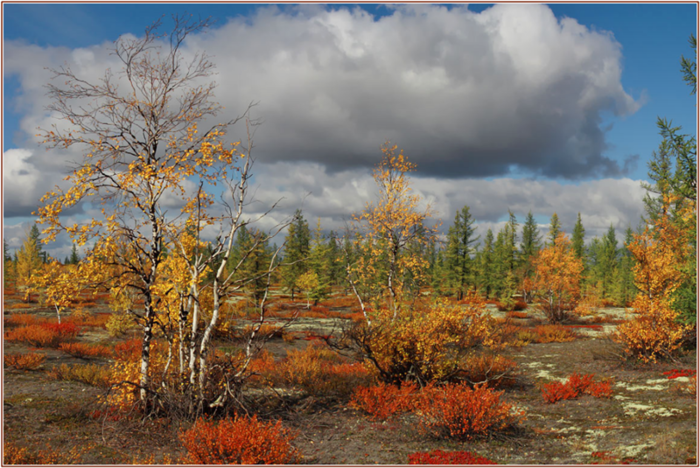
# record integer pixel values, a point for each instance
(383, 401)
(438, 457)
(320, 371)
(85, 350)
(16, 455)
(460, 412)
(520, 315)
(43, 335)
(28, 361)
(240, 441)
(91, 374)
(519, 305)
(554, 334)
(493, 370)
(23, 319)
(675, 373)
(576, 385)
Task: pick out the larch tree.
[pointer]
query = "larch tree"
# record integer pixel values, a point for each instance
(385, 230)
(556, 279)
(28, 264)
(138, 130)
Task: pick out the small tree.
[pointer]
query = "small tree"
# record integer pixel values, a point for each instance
(384, 231)
(28, 265)
(556, 278)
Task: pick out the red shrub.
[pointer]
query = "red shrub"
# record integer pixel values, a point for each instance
(438, 457)
(675, 373)
(240, 441)
(128, 350)
(383, 401)
(84, 350)
(460, 412)
(519, 305)
(556, 391)
(65, 329)
(520, 315)
(554, 334)
(576, 385)
(600, 390)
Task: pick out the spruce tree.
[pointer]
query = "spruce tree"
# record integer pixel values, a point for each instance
(554, 229)
(577, 239)
(486, 266)
(74, 257)
(297, 247)
(319, 264)
(458, 256)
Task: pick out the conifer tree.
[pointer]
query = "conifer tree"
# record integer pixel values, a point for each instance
(486, 266)
(74, 257)
(577, 239)
(529, 247)
(320, 264)
(460, 238)
(297, 247)
(554, 229)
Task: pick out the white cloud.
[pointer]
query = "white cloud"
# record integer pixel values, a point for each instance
(465, 94)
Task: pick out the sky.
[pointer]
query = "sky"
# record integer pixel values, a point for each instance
(521, 107)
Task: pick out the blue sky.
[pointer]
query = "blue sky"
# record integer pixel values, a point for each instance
(643, 42)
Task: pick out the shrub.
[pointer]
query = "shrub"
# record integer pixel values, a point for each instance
(554, 334)
(576, 385)
(384, 400)
(22, 319)
(461, 412)
(425, 344)
(493, 370)
(319, 371)
(438, 457)
(84, 350)
(91, 374)
(14, 455)
(29, 361)
(43, 335)
(675, 373)
(519, 305)
(520, 315)
(655, 331)
(241, 441)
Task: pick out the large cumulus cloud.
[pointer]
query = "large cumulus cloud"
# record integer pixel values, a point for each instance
(509, 90)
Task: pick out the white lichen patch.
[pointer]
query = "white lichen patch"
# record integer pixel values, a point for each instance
(636, 388)
(657, 381)
(632, 451)
(620, 397)
(648, 410)
(545, 374)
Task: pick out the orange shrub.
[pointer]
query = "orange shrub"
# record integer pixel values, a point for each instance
(29, 361)
(44, 335)
(554, 334)
(320, 371)
(91, 374)
(241, 441)
(384, 400)
(85, 350)
(23, 319)
(14, 455)
(519, 305)
(439, 457)
(461, 412)
(18, 305)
